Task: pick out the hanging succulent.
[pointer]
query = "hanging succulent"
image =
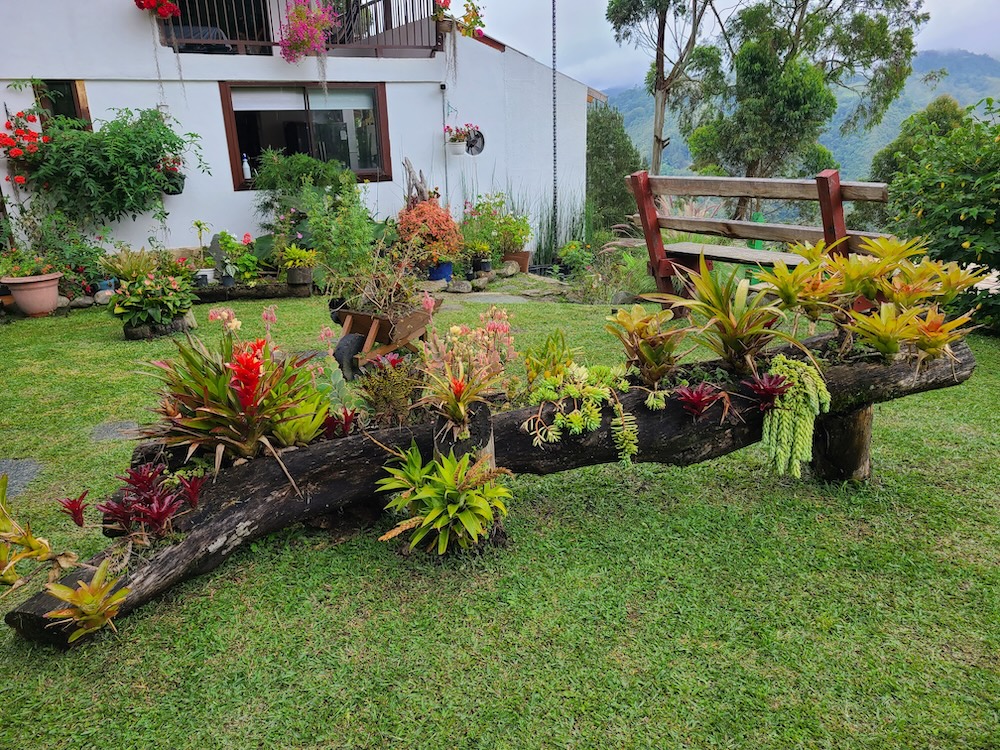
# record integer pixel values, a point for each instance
(788, 427)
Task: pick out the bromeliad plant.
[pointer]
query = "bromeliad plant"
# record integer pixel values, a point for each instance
(228, 401)
(91, 605)
(449, 500)
(650, 344)
(737, 325)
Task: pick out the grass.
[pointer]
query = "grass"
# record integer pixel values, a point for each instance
(707, 606)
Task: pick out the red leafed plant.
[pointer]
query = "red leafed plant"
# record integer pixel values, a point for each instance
(432, 227)
(191, 487)
(162, 8)
(698, 399)
(147, 500)
(74, 507)
(768, 387)
(340, 425)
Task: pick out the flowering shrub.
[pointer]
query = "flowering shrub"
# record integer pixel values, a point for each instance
(459, 135)
(157, 298)
(306, 29)
(162, 8)
(428, 224)
(19, 264)
(22, 145)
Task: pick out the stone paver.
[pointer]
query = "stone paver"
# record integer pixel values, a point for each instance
(19, 472)
(114, 431)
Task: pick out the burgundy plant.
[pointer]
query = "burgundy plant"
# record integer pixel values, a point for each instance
(697, 400)
(340, 425)
(143, 479)
(74, 507)
(191, 487)
(156, 514)
(768, 387)
(119, 512)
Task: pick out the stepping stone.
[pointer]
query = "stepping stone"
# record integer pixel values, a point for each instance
(114, 431)
(19, 472)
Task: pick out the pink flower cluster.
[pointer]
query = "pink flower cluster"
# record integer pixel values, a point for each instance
(306, 29)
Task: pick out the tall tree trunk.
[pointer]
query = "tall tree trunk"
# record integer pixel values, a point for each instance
(659, 94)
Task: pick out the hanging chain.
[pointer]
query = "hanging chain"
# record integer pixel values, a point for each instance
(555, 142)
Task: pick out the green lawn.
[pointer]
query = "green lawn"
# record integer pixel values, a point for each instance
(709, 606)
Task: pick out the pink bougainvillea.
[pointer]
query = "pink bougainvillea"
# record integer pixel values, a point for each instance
(306, 28)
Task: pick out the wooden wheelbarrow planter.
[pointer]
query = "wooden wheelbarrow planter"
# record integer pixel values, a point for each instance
(255, 499)
(363, 331)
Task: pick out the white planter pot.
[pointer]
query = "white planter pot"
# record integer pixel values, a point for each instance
(455, 149)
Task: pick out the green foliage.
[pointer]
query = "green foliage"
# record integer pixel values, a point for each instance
(294, 256)
(129, 265)
(939, 117)
(342, 231)
(492, 227)
(390, 388)
(767, 120)
(650, 345)
(950, 194)
(304, 420)
(155, 298)
(102, 175)
(611, 156)
(92, 604)
(448, 500)
(788, 427)
(284, 182)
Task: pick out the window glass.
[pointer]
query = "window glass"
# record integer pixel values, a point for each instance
(57, 98)
(345, 127)
(339, 124)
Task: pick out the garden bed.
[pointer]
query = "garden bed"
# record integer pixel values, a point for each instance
(267, 290)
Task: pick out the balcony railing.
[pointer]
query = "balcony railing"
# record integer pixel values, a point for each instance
(253, 27)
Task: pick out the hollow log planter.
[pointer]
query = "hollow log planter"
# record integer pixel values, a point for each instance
(256, 499)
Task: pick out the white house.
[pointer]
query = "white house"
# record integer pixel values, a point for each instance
(395, 79)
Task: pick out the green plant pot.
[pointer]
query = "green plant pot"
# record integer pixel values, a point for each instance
(175, 183)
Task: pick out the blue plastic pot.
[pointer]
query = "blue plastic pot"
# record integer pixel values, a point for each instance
(440, 272)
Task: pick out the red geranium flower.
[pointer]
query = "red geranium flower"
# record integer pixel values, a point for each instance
(20, 179)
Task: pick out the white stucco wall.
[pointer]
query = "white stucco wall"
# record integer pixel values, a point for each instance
(109, 44)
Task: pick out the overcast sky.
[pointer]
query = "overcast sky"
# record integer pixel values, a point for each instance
(587, 50)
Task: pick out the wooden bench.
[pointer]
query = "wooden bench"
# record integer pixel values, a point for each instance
(666, 261)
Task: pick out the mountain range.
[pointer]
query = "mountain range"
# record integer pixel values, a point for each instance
(970, 78)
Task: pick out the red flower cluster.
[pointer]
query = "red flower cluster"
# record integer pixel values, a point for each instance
(247, 368)
(697, 400)
(21, 145)
(162, 8)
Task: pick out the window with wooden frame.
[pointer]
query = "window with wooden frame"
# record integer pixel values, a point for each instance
(63, 98)
(346, 122)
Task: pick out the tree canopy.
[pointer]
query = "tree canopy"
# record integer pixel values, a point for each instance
(610, 156)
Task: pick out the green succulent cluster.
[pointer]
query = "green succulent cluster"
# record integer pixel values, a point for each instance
(788, 428)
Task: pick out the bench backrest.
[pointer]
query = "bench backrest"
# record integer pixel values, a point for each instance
(826, 188)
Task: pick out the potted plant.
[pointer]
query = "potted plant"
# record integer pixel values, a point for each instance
(455, 139)
(154, 305)
(429, 226)
(491, 220)
(32, 281)
(299, 264)
(170, 167)
(237, 262)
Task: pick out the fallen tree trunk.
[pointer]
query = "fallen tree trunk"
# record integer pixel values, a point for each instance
(254, 499)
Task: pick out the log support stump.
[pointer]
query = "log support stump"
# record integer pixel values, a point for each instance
(842, 446)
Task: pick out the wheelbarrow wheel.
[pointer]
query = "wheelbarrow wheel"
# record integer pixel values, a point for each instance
(346, 352)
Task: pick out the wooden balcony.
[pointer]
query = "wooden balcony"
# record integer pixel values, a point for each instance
(368, 28)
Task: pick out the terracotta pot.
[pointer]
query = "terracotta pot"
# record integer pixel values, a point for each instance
(521, 258)
(35, 296)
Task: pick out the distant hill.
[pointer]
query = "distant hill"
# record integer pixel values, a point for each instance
(970, 78)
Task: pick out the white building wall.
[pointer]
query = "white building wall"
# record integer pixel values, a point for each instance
(110, 45)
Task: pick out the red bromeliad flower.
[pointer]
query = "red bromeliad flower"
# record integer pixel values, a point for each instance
(248, 369)
(156, 514)
(74, 507)
(696, 401)
(458, 388)
(191, 487)
(340, 425)
(768, 387)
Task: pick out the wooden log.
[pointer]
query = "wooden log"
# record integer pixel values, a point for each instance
(216, 294)
(254, 499)
(842, 446)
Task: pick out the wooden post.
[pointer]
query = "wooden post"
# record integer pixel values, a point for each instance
(831, 207)
(658, 263)
(842, 446)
